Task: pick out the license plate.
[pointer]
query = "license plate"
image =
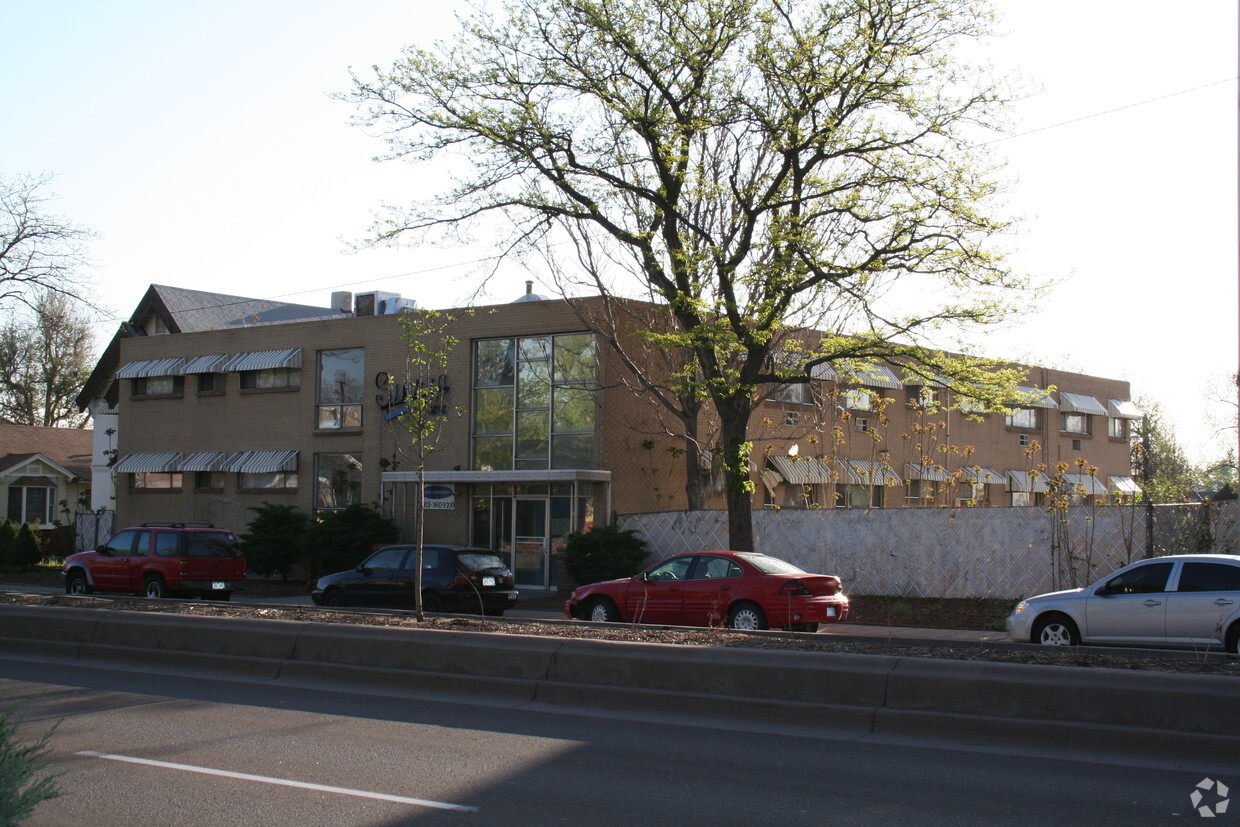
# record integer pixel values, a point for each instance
(488, 581)
(830, 611)
(218, 585)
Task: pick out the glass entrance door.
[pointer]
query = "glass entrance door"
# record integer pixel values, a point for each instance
(530, 542)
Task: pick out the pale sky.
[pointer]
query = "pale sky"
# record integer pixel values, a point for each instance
(198, 140)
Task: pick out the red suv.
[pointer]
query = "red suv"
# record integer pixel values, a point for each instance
(161, 560)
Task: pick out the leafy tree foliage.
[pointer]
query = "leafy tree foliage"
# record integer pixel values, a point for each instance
(46, 354)
(603, 553)
(759, 167)
(8, 534)
(25, 550)
(20, 790)
(342, 539)
(1165, 472)
(273, 540)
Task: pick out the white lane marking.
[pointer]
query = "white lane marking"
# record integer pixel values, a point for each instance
(245, 776)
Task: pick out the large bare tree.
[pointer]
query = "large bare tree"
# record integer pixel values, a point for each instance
(39, 251)
(759, 167)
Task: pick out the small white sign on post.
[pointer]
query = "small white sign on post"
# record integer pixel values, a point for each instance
(437, 497)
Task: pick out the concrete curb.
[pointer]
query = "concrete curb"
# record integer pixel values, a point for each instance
(1171, 715)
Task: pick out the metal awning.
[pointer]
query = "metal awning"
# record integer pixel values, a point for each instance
(206, 364)
(1026, 482)
(162, 463)
(874, 376)
(986, 476)
(264, 360)
(1119, 409)
(1034, 398)
(803, 470)
(1088, 483)
(867, 472)
(1123, 485)
(260, 462)
(203, 461)
(921, 471)
(771, 479)
(152, 367)
(1080, 403)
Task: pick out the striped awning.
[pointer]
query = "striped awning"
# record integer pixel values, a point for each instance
(1087, 483)
(1080, 403)
(867, 472)
(978, 473)
(874, 376)
(207, 364)
(1123, 485)
(1119, 409)
(1034, 398)
(152, 367)
(771, 479)
(203, 461)
(148, 463)
(264, 360)
(1026, 482)
(260, 462)
(803, 470)
(921, 471)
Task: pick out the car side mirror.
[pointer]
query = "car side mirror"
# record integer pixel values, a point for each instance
(361, 569)
(103, 549)
(644, 577)
(1102, 591)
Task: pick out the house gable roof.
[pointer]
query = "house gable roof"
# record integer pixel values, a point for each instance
(66, 449)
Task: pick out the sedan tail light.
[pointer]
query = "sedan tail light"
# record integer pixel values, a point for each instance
(461, 582)
(794, 587)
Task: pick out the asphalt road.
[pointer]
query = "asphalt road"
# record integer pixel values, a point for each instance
(146, 749)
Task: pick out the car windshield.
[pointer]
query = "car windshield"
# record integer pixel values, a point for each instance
(478, 561)
(203, 544)
(770, 565)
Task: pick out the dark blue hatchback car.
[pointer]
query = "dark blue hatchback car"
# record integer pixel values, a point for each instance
(454, 579)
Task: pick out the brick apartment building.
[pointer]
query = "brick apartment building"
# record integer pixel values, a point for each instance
(300, 405)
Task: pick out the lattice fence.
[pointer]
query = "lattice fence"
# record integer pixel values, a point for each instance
(93, 528)
(968, 552)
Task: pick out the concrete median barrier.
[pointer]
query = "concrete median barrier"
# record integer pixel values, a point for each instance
(1173, 715)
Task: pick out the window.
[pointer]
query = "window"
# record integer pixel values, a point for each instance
(863, 496)
(1076, 445)
(271, 378)
(797, 393)
(859, 399)
(1117, 428)
(675, 569)
(921, 490)
(271, 480)
(1150, 579)
(337, 481)
(340, 388)
(1022, 498)
(211, 383)
(534, 402)
(1074, 423)
(1022, 418)
(927, 398)
(1024, 440)
(155, 481)
(209, 480)
(31, 504)
(862, 424)
(792, 418)
(715, 568)
(158, 385)
(1209, 577)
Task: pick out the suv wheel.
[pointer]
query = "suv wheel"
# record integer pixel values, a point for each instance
(155, 587)
(76, 584)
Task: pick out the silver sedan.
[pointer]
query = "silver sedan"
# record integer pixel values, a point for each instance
(1184, 600)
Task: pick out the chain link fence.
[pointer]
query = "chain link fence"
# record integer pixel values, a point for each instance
(93, 528)
(967, 552)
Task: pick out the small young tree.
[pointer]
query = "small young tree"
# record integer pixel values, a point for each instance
(273, 538)
(342, 539)
(26, 550)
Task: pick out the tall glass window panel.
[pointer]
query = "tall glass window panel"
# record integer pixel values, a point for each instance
(493, 364)
(337, 481)
(493, 453)
(533, 435)
(493, 411)
(575, 359)
(340, 388)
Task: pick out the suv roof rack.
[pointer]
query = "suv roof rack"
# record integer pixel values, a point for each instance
(178, 525)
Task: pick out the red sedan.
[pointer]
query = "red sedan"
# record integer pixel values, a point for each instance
(737, 589)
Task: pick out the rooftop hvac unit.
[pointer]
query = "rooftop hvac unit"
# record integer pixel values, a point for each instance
(388, 307)
(368, 304)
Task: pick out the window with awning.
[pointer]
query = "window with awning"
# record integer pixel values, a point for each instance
(263, 360)
(143, 368)
(1080, 403)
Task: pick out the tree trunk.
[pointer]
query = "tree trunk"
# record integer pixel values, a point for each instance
(734, 428)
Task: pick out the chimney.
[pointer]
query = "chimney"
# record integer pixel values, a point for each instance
(529, 288)
(342, 301)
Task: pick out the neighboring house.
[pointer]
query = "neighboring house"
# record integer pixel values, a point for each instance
(552, 438)
(41, 468)
(169, 310)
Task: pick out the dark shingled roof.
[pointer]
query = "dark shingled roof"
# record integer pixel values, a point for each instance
(69, 448)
